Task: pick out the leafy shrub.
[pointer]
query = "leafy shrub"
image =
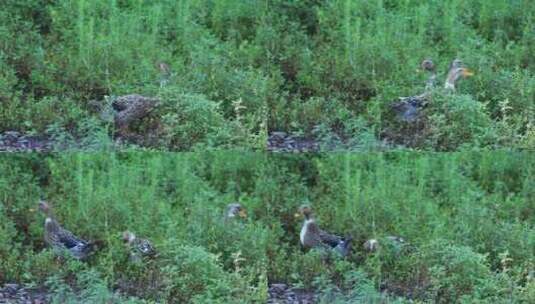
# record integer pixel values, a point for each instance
(192, 119)
(193, 275)
(9, 251)
(456, 271)
(458, 120)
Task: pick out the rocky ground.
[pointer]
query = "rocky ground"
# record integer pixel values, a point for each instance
(284, 142)
(19, 294)
(12, 141)
(281, 293)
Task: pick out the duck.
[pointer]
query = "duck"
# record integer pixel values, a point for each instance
(408, 108)
(456, 72)
(235, 210)
(139, 248)
(62, 240)
(312, 236)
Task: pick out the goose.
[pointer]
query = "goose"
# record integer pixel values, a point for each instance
(429, 66)
(456, 71)
(61, 240)
(139, 248)
(407, 108)
(312, 236)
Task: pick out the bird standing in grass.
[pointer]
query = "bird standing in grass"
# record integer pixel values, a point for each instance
(61, 240)
(408, 108)
(429, 66)
(312, 236)
(456, 71)
(139, 248)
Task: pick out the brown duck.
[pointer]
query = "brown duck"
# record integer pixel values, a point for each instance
(312, 236)
(61, 240)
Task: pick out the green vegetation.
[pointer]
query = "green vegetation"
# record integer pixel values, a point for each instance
(467, 219)
(237, 69)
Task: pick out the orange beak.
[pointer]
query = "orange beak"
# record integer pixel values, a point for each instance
(467, 72)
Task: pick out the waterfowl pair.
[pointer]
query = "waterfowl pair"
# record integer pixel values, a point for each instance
(62, 240)
(312, 236)
(408, 108)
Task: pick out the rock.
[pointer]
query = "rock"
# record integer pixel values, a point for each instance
(280, 293)
(11, 288)
(11, 134)
(278, 135)
(282, 142)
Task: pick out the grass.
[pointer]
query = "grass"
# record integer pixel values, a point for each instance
(278, 65)
(467, 217)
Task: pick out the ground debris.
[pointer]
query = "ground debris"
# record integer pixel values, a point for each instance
(18, 294)
(13, 141)
(280, 293)
(283, 142)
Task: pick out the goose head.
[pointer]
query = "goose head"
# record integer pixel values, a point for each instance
(457, 71)
(456, 63)
(44, 207)
(427, 65)
(306, 212)
(128, 237)
(50, 223)
(235, 210)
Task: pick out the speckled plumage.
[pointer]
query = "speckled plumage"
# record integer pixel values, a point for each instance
(130, 108)
(61, 240)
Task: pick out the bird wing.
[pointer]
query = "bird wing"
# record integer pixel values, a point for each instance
(145, 247)
(120, 104)
(321, 237)
(329, 239)
(69, 240)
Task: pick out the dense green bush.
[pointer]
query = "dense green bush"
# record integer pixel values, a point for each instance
(459, 120)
